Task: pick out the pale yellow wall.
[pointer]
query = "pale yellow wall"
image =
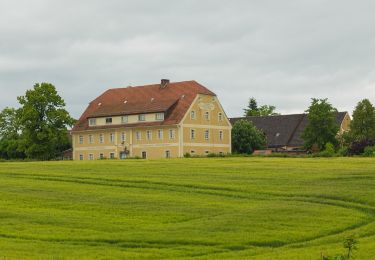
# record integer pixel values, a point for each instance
(202, 104)
(345, 125)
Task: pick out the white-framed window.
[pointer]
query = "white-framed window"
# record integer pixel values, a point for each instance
(91, 157)
(101, 156)
(149, 135)
(91, 139)
(112, 137)
(220, 117)
(81, 139)
(167, 154)
(112, 155)
(206, 115)
(221, 135)
(144, 155)
(92, 121)
(192, 114)
(160, 134)
(206, 134)
(138, 135)
(159, 116)
(172, 134)
(192, 152)
(123, 137)
(101, 138)
(192, 133)
(142, 117)
(81, 157)
(124, 119)
(108, 120)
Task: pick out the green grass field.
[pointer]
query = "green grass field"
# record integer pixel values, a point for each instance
(257, 208)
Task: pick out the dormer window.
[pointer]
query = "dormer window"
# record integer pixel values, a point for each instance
(108, 120)
(124, 119)
(92, 121)
(142, 117)
(159, 116)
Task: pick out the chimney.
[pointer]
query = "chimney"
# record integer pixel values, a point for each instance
(164, 83)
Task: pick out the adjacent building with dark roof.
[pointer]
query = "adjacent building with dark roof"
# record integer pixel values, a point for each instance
(284, 132)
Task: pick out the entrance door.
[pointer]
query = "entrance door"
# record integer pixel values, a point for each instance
(144, 155)
(122, 155)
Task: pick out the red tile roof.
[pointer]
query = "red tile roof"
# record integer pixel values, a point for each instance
(174, 100)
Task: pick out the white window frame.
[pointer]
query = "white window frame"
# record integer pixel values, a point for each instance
(193, 115)
(124, 119)
(91, 156)
(148, 134)
(81, 139)
(138, 135)
(101, 156)
(160, 134)
(207, 134)
(167, 154)
(92, 121)
(141, 117)
(221, 135)
(111, 137)
(172, 134)
(91, 139)
(123, 136)
(192, 134)
(81, 157)
(112, 155)
(108, 120)
(220, 117)
(206, 115)
(101, 138)
(159, 116)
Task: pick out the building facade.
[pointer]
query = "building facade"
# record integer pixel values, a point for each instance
(155, 121)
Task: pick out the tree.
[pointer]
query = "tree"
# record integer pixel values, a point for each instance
(322, 127)
(264, 110)
(10, 134)
(362, 126)
(246, 137)
(45, 121)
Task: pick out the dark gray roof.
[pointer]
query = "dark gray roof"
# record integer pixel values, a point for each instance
(283, 130)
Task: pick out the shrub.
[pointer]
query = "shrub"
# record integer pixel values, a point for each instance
(358, 147)
(369, 151)
(187, 155)
(329, 151)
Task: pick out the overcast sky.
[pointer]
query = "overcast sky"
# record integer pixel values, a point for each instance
(280, 52)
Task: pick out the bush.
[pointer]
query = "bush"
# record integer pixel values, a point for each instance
(369, 151)
(187, 155)
(329, 151)
(358, 147)
(343, 151)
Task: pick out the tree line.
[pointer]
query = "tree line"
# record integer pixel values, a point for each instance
(38, 129)
(321, 133)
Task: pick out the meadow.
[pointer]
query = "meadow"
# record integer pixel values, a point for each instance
(208, 208)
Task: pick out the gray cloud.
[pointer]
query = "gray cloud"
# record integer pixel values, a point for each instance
(281, 53)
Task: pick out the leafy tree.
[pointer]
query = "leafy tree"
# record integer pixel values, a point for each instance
(264, 110)
(45, 121)
(10, 130)
(362, 126)
(322, 127)
(246, 137)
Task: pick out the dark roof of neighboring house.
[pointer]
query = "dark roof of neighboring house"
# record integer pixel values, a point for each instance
(283, 130)
(174, 100)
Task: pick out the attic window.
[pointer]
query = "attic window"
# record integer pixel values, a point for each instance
(152, 99)
(124, 119)
(108, 120)
(125, 101)
(92, 121)
(277, 134)
(159, 116)
(142, 117)
(99, 104)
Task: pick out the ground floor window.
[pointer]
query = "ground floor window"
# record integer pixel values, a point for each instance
(192, 152)
(206, 152)
(144, 155)
(91, 156)
(167, 154)
(122, 155)
(81, 157)
(101, 156)
(112, 155)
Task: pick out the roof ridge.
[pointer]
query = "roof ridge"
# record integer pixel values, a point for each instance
(152, 85)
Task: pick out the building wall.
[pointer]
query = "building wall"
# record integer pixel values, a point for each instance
(200, 124)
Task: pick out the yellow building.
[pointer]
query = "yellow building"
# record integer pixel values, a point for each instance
(154, 121)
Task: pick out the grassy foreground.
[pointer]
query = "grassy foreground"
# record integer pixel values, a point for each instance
(258, 208)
